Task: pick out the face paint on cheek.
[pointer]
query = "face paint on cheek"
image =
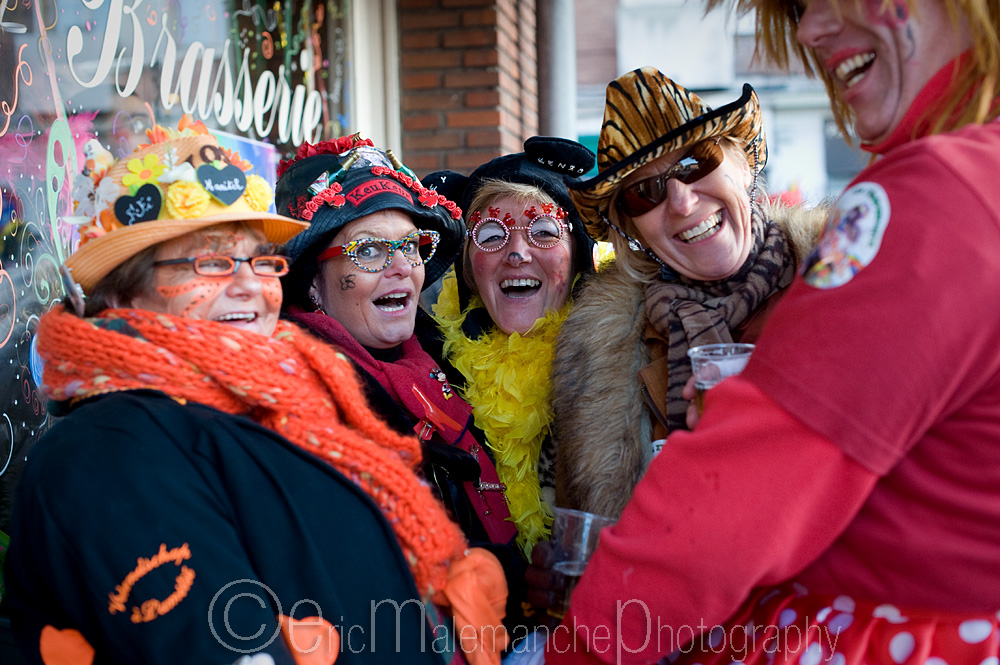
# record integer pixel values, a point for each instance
(208, 288)
(479, 260)
(901, 10)
(563, 275)
(347, 282)
(178, 290)
(271, 290)
(895, 15)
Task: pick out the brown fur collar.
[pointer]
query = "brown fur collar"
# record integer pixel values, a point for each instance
(601, 428)
(599, 415)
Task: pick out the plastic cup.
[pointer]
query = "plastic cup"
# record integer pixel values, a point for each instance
(574, 537)
(712, 363)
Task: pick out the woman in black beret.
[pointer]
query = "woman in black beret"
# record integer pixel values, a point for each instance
(377, 237)
(499, 315)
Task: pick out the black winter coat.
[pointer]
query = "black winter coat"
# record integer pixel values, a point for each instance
(135, 498)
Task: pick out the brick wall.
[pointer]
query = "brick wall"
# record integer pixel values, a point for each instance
(469, 81)
(596, 51)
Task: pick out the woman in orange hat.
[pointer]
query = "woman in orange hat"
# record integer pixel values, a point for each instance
(218, 485)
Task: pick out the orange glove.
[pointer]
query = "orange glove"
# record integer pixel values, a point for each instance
(477, 595)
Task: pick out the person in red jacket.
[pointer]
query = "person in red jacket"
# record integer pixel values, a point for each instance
(839, 501)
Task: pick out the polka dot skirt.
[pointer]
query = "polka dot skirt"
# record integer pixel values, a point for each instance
(787, 624)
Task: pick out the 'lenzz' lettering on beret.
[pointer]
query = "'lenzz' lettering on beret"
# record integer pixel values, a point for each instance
(362, 193)
(560, 166)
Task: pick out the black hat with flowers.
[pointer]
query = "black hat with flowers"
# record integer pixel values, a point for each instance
(333, 183)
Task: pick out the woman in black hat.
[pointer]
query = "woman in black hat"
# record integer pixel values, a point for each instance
(377, 238)
(699, 260)
(500, 314)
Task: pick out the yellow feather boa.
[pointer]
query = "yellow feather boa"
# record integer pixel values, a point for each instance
(507, 380)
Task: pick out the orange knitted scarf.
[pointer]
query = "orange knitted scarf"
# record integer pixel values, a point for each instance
(290, 383)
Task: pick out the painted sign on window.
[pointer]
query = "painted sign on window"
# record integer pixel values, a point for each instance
(268, 76)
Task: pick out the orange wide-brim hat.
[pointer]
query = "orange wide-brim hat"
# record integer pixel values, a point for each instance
(182, 183)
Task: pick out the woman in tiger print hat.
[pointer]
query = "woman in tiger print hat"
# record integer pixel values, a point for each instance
(700, 257)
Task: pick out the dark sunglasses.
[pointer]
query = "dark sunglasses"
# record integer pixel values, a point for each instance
(639, 198)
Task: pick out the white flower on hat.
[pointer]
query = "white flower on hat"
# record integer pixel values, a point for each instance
(84, 192)
(183, 172)
(83, 195)
(105, 195)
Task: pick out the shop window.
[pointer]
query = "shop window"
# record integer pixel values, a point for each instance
(266, 76)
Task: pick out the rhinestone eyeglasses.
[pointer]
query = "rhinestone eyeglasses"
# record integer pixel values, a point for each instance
(375, 254)
(545, 230)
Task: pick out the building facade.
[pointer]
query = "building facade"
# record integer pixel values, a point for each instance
(713, 55)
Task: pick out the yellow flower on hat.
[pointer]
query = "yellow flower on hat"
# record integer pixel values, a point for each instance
(258, 193)
(186, 200)
(141, 172)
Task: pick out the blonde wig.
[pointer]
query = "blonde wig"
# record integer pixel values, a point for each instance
(976, 83)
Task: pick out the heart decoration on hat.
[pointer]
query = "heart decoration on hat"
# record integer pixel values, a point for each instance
(161, 185)
(225, 184)
(143, 206)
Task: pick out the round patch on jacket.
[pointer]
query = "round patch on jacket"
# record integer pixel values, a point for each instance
(852, 237)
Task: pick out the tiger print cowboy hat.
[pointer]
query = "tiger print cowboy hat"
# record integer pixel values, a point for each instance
(647, 115)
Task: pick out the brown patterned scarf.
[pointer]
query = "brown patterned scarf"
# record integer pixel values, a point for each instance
(690, 313)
